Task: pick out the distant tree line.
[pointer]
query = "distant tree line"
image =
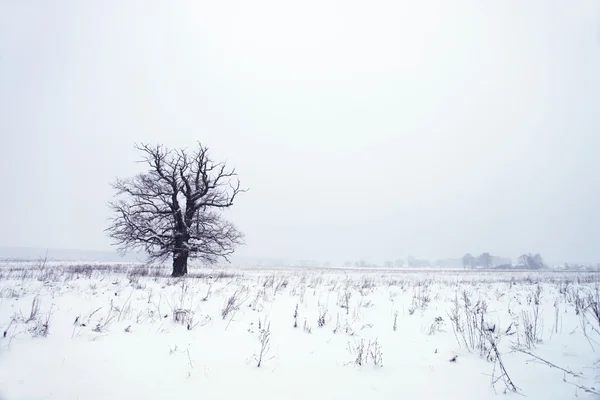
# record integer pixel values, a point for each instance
(486, 260)
(468, 261)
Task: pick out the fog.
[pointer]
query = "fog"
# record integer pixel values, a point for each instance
(363, 130)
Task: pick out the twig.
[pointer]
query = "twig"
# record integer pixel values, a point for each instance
(548, 363)
(584, 388)
(189, 358)
(93, 312)
(235, 310)
(504, 375)
(125, 305)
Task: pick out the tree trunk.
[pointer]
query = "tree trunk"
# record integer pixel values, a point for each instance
(180, 259)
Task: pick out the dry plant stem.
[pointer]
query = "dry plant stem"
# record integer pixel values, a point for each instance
(584, 388)
(124, 305)
(503, 373)
(548, 363)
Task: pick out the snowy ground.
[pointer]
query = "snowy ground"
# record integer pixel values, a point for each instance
(123, 332)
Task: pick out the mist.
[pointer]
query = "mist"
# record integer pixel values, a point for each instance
(363, 131)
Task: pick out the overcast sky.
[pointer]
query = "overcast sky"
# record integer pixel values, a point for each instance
(364, 129)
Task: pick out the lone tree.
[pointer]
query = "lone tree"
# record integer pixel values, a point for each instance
(175, 208)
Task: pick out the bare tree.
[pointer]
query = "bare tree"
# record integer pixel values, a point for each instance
(523, 260)
(531, 261)
(175, 208)
(485, 260)
(469, 261)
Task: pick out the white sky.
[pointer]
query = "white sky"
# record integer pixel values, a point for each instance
(371, 129)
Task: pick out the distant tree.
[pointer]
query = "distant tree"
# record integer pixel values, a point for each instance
(538, 261)
(469, 261)
(399, 263)
(531, 261)
(485, 260)
(174, 208)
(418, 263)
(388, 264)
(523, 260)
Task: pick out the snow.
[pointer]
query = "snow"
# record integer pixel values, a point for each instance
(132, 347)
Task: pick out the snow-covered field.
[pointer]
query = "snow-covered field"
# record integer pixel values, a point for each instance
(123, 331)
